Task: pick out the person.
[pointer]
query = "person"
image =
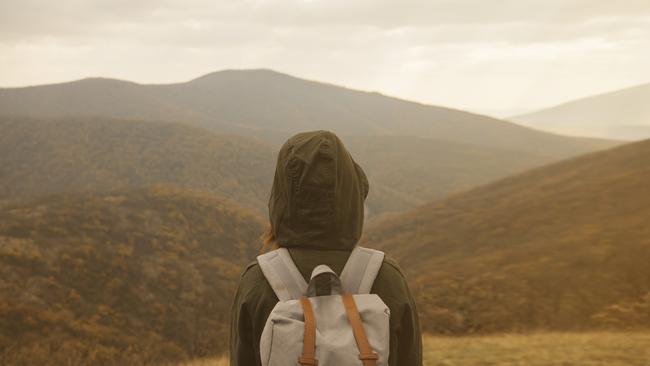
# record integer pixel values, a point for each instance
(316, 211)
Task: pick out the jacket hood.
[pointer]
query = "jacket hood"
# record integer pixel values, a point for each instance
(318, 194)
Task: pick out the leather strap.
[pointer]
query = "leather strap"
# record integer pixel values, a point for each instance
(308, 357)
(366, 354)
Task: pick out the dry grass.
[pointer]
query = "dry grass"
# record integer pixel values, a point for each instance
(208, 362)
(543, 349)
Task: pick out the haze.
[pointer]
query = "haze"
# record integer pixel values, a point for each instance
(498, 57)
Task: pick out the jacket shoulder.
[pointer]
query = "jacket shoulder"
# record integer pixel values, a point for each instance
(249, 267)
(251, 275)
(251, 281)
(391, 266)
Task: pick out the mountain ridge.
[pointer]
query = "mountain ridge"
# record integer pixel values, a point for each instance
(273, 105)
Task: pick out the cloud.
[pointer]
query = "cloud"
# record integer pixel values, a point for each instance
(33, 18)
(479, 54)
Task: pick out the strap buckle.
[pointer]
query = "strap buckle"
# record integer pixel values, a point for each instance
(368, 356)
(309, 361)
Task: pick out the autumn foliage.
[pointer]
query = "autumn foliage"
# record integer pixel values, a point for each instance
(566, 247)
(135, 276)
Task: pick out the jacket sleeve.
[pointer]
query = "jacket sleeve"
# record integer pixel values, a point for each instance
(242, 349)
(409, 349)
(405, 338)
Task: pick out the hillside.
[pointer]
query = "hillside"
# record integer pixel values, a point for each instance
(405, 172)
(40, 157)
(561, 247)
(127, 277)
(622, 114)
(273, 106)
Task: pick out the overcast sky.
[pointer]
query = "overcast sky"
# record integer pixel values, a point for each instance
(494, 56)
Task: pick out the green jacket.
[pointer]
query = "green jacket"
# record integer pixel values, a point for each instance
(316, 210)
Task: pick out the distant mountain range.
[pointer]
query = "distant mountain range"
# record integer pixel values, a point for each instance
(274, 106)
(559, 247)
(622, 114)
(412, 153)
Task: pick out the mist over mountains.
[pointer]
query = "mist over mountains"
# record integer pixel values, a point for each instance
(622, 114)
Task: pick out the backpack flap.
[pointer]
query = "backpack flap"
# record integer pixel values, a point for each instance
(334, 283)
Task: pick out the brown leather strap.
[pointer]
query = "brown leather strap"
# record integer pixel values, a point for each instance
(366, 354)
(308, 357)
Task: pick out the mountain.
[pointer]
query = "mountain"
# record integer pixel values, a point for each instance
(39, 157)
(43, 156)
(273, 106)
(623, 114)
(126, 277)
(405, 172)
(564, 246)
(77, 135)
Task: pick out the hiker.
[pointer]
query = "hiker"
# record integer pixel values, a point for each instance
(316, 212)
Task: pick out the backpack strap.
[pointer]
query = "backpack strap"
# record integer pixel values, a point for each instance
(308, 357)
(361, 269)
(367, 356)
(282, 274)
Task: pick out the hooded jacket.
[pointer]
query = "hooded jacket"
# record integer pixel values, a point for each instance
(316, 210)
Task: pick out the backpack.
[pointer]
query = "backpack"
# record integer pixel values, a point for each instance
(347, 327)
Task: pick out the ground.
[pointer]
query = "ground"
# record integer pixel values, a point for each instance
(539, 349)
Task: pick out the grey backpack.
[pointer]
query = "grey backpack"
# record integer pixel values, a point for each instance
(348, 327)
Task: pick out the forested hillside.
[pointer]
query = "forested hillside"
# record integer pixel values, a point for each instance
(40, 157)
(561, 247)
(405, 172)
(44, 156)
(120, 278)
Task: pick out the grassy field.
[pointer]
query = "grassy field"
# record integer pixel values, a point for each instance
(544, 349)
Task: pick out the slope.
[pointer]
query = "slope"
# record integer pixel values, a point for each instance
(127, 277)
(622, 114)
(50, 156)
(563, 246)
(405, 172)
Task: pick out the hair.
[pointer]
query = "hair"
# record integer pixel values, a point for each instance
(268, 240)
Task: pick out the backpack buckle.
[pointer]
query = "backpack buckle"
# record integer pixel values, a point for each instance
(308, 361)
(368, 356)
